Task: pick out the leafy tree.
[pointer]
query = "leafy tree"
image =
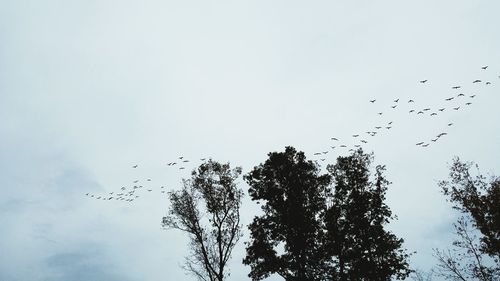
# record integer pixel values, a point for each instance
(285, 238)
(207, 208)
(476, 251)
(311, 231)
(358, 246)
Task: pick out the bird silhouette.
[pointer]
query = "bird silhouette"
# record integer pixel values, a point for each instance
(456, 108)
(411, 101)
(411, 111)
(472, 96)
(380, 113)
(488, 83)
(484, 67)
(394, 106)
(425, 145)
(433, 114)
(423, 81)
(476, 81)
(355, 136)
(460, 95)
(420, 112)
(135, 166)
(441, 109)
(396, 100)
(335, 139)
(456, 87)
(202, 159)
(372, 101)
(419, 143)
(469, 103)
(449, 99)
(450, 124)
(426, 109)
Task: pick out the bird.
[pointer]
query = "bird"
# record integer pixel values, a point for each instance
(136, 181)
(202, 159)
(333, 147)
(419, 143)
(411, 111)
(388, 127)
(355, 136)
(472, 96)
(182, 168)
(378, 127)
(148, 179)
(450, 124)
(357, 145)
(123, 188)
(488, 83)
(434, 140)
(396, 100)
(389, 123)
(411, 101)
(322, 159)
(87, 194)
(420, 112)
(317, 153)
(181, 157)
(484, 67)
(372, 101)
(363, 141)
(476, 81)
(380, 113)
(449, 99)
(394, 106)
(426, 109)
(469, 103)
(460, 95)
(425, 145)
(434, 114)
(185, 161)
(135, 166)
(343, 145)
(456, 108)
(456, 87)
(325, 152)
(423, 81)
(335, 139)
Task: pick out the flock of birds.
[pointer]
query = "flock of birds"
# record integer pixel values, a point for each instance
(456, 102)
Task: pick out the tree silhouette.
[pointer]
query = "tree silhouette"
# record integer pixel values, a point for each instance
(207, 208)
(311, 231)
(476, 251)
(357, 245)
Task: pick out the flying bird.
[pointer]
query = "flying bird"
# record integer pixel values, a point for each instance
(456, 87)
(472, 96)
(181, 157)
(449, 99)
(335, 139)
(420, 143)
(355, 136)
(380, 113)
(434, 140)
(469, 103)
(456, 108)
(411, 101)
(378, 127)
(426, 109)
(449, 124)
(372, 101)
(202, 159)
(135, 166)
(389, 123)
(317, 153)
(488, 83)
(441, 109)
(396, 100)
(343, 145)
(425, 145)
(460, 95)
(434, 114)
(394, 106)
(411, 111)
(363, 141)
(388, 127)
(476, 81)
(484, 67)
(420, 112)
(182, 168)
(423, 81)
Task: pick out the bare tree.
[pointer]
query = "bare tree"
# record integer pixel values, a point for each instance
(207, 208)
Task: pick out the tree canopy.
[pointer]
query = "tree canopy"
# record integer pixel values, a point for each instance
(322, 226)
(208, 209)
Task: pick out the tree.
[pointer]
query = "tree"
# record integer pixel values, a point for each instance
(476, 251)
(310, 231)
(208, 209)
(285, 239)
(358, 246)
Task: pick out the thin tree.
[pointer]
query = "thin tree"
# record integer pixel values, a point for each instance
(208, 210)
(476, 251)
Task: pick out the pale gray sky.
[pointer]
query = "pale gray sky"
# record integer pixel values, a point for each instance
(90, 88)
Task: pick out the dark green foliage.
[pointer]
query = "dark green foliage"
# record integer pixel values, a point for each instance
(358, 245)
(311, 231)
(285, 239)
(207, 208)
(476, 251)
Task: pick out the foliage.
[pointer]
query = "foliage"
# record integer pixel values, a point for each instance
(207, 208)
(476, 251)
(311, 231)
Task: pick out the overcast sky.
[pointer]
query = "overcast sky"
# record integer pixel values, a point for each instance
(90, 88)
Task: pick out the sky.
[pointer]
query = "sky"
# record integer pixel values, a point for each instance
(90, 88)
